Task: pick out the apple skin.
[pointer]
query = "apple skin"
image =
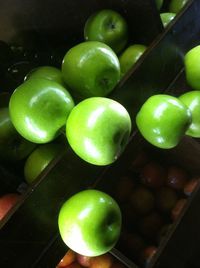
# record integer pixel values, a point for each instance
(109, 27)
(90, 222)
(176, 5)
(163, 120)
(98, 130)
(7, 201)
(69, 258)
(130, 56)
(39, 159)
(13, 147)
(47, 72)
(39, 109)
(192, 67)
(91, 69)
(192, 100)
(166, 18)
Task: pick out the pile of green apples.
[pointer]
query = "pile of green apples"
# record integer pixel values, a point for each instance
(164, 119)
(172, 9)
(73, 100)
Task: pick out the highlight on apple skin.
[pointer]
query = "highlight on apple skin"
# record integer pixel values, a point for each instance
(90, 222)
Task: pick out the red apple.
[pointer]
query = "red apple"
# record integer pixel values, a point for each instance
(74, 265)
(176, 177)
(147, 254)
(150, 225)
(7, 201)
(142, 200)
(69, 258)
(153, 175)
(85, 261)
(138, 163)
(103, 261)
(166, 199)
(132, 242)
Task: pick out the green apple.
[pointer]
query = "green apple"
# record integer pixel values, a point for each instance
(192, 67)
(166, 18)
(48, 72)
(91, 69)
(130, 56)
(163, 120)
(39, 159)
(192, 100)
(176, 5)
(39, 109)
(98, 130)
(159, 4)
(13, 147)
(90, 222)
(109, 27)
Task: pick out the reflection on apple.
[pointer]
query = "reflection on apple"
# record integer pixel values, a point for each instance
(90, 222)
(98, 130)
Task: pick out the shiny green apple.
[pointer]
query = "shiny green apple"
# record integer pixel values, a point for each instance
(192, 67)
(175, 6)
(39, 109)
(47, 72)
(109, 27)
(163, 120)
(39, 159)
(13, 147)
(91, 69)
(130, 56)
(192, 100)
(166, 18)
(98, 130)
(90, 222)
